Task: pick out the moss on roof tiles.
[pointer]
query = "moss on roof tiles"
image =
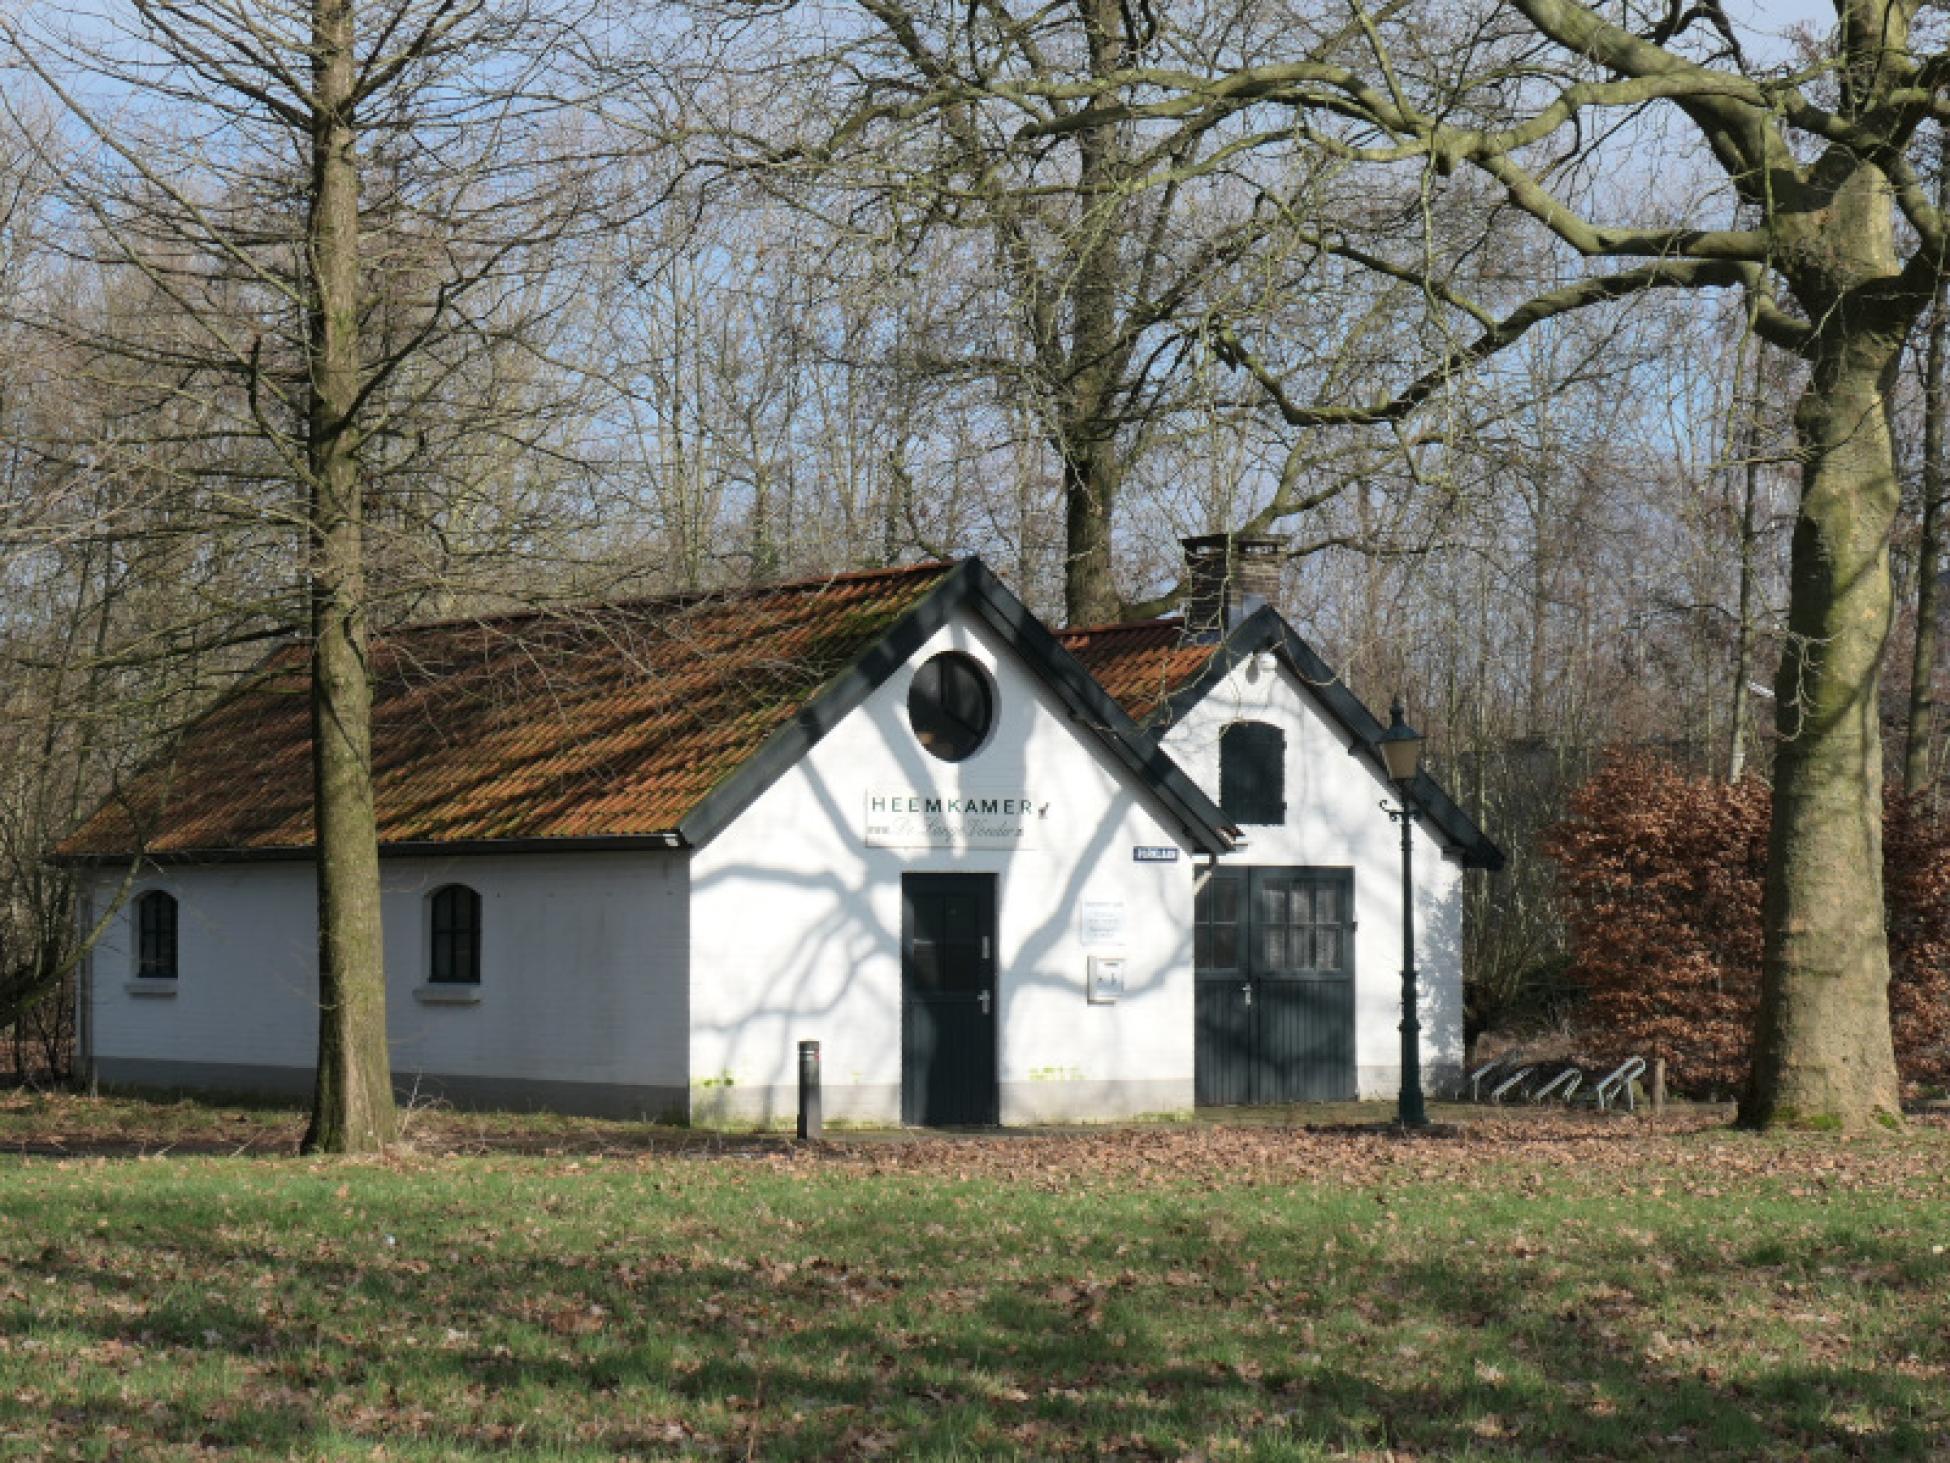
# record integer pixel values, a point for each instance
(1141, 665)
(604, 721)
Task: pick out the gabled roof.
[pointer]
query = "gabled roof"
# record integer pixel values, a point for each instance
(648, 723)
(1159, 674)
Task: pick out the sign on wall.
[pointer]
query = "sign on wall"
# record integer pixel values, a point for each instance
(968, 819)
(1101, 924)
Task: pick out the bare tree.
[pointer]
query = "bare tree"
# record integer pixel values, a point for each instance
(258, 169)
(1102, 266)
(1820, 161)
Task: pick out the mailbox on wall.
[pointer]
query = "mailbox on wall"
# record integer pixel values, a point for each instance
(1106, 980)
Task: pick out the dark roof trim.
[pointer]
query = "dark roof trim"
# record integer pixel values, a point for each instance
(969, 586)
(417, 848)
(1267, 629)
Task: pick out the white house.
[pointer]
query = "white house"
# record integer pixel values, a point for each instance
(634, 855)
(1298, 930)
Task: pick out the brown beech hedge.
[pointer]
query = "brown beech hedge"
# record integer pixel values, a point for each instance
(1661, 873)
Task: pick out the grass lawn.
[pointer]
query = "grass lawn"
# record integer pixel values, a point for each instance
(1533, 1286)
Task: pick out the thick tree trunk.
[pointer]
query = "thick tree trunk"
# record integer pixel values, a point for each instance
(1929, 551)
(1089, 491)
(1929, 563)
(1097, 355)
(1822, 1050)
(352, 1106)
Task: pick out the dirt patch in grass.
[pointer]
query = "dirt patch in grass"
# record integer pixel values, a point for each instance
(65, 1125)
(1258, 1148)
(1627, 1151)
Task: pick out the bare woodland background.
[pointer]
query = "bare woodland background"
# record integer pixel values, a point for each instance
(639, 315)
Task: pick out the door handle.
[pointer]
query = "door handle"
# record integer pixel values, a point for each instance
(1247, 988)
(984, 999)
(985, 947)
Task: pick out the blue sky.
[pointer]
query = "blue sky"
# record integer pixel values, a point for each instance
(1764, 22)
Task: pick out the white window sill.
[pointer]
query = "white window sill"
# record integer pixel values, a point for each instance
(151, 986)
(453, 993)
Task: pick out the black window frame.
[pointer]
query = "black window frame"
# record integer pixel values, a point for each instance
(1249, 936)
(1219, 924)
(944, 729)
(454, 929)
(156, 945)
(1252, 773)
(1301, 912)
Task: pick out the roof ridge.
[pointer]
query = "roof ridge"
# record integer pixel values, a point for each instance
(1112, 627)
(674, 599)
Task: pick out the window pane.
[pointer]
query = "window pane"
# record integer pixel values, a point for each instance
(1217, 901)
(1327, 948)
(1272, 905)
(950, 706)
(455, 951)
(1225, 947)
(155, 944)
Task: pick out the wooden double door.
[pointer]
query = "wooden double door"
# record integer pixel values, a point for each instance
(1274, 960)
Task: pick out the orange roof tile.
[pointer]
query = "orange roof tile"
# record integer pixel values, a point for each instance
(1141, 665)
(605, 722)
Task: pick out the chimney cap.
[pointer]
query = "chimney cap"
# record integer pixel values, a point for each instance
(1199, 542)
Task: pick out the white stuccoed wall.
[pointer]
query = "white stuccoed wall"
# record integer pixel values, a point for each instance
(583, 981)
(1334, 820)
(796, 923)
(655, 982)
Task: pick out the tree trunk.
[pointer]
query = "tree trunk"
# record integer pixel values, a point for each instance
(1822, 1052)
(1541, 718)
(1929, 561)
(1097, 357)
(1089, 491)
(1740, 733)
(352, 1105)
(1929, 551)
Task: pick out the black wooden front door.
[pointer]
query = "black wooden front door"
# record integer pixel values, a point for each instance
(1274, 955)
(948, 999)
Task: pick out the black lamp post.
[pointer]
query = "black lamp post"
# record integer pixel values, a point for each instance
(1401, 751)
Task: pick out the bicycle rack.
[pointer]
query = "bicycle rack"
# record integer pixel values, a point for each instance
(1619, 1082)
(1476, 1078)
(1509, 1077)
(1513, 1080)
(1568, 1080)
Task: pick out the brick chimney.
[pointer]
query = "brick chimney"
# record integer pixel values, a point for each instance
(1227, 577)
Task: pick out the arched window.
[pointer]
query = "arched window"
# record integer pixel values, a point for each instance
(1252, 773)
(155, 936)
(456, 953)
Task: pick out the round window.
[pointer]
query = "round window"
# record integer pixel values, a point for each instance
(951, 706)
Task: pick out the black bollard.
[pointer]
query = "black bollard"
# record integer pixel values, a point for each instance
(811, 1123)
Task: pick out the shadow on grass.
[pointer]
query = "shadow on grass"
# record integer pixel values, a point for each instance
(939, 1336)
